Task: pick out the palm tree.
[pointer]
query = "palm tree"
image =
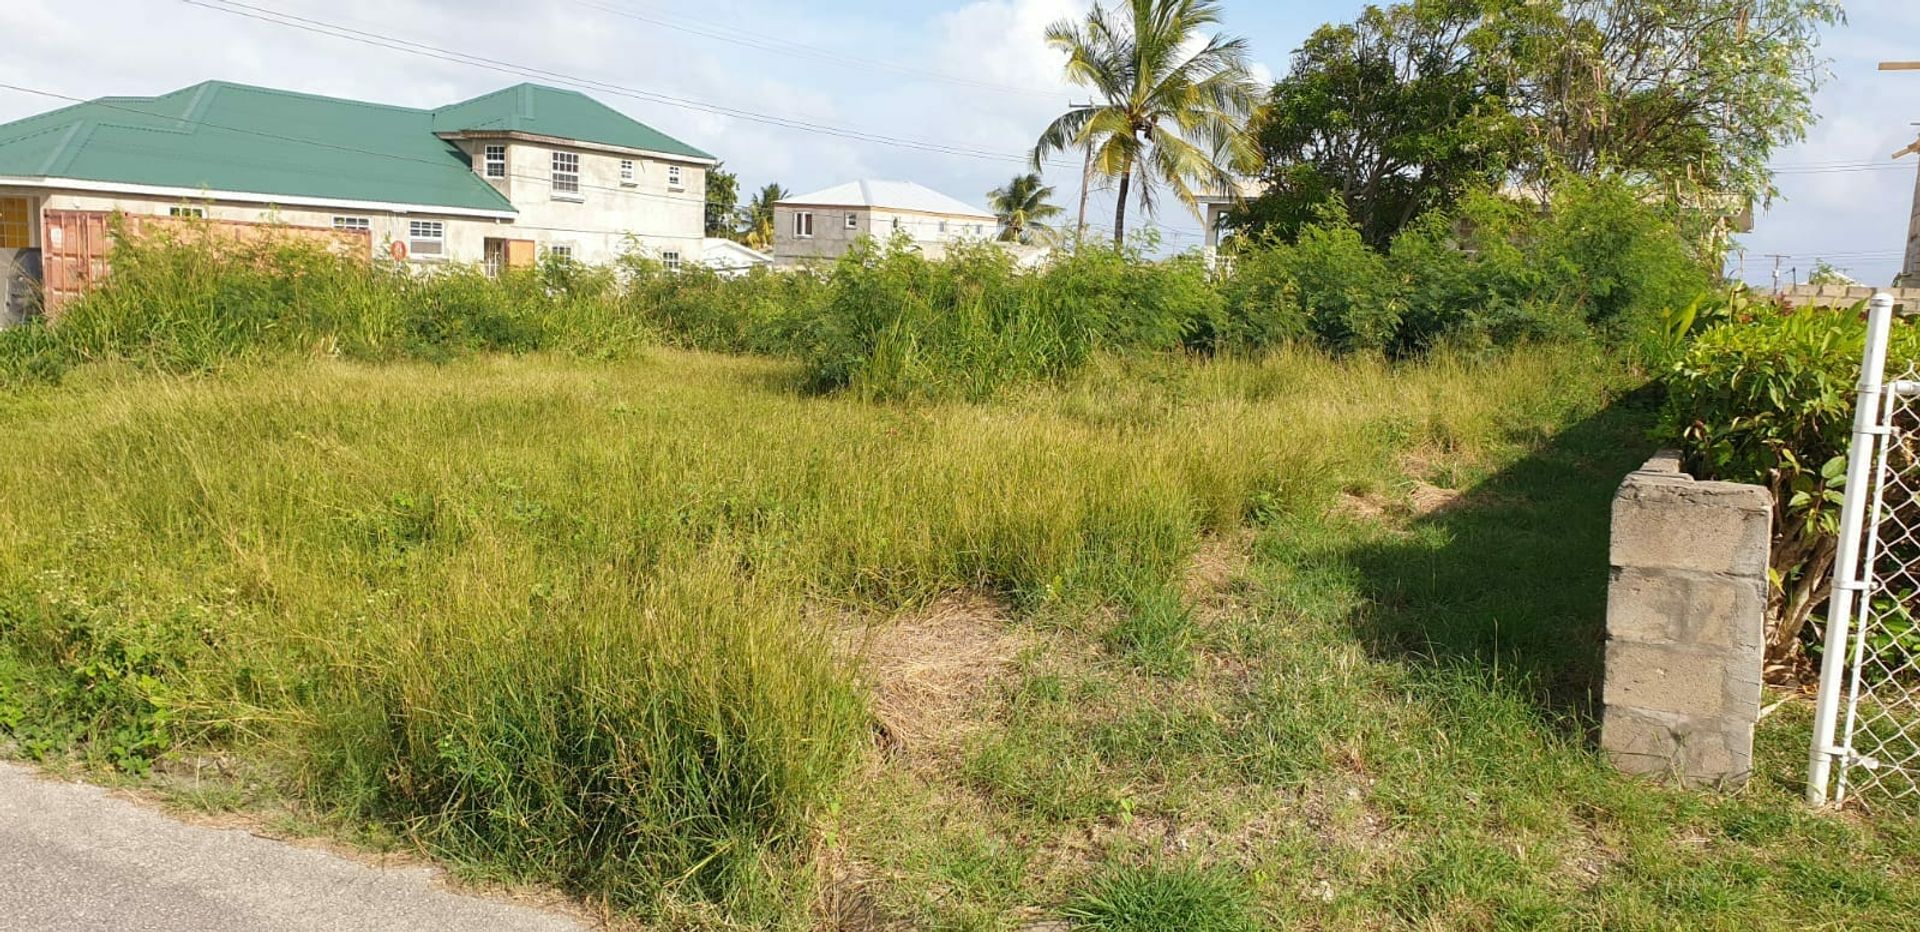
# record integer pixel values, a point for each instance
(1023, 210)
(759, 215)
(1170, 106)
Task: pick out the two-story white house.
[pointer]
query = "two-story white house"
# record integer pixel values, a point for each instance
(501, 179)
(818, 228)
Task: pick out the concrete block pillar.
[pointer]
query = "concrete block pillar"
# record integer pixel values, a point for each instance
(1686, 615)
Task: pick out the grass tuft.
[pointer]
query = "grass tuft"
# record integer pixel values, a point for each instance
(1161, 898)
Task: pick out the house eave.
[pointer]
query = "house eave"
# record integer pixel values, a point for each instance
(538, 139)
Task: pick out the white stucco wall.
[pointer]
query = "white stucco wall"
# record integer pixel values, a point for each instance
(596, 223)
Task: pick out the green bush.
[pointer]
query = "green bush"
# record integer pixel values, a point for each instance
(760, 311)
(897, 325)
(1493, 271)
(1765, 394)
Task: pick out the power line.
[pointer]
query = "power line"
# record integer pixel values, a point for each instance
(334, 30)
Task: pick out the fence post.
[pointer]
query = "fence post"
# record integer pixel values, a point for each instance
(1847, 572)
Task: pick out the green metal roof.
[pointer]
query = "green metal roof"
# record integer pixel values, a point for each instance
(550, 111)
(218, 136)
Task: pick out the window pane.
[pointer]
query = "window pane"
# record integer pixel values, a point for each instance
(566, 172)
(14, 222)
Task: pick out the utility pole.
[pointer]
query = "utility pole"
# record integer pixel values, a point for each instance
(1910, 262)
(1777, 258)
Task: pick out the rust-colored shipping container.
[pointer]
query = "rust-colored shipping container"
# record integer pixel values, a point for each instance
(75, 244)
(73, 254)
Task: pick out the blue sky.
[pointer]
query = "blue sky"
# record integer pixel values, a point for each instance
(969, 74)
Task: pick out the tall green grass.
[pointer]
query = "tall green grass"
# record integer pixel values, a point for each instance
(569, 622)
(189, 300)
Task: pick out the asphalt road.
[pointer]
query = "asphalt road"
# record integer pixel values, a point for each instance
(73, 857)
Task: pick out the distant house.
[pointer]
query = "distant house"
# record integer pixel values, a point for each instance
(1215, 203)
(821, 226)
(501, 179)
(730, 258)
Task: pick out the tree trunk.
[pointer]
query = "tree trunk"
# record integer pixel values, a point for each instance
(1086, 181)
(1120, 207)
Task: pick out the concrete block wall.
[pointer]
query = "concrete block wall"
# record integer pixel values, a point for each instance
(1686, 608)
(1841, 297)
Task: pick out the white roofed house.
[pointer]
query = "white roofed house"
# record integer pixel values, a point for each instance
(730, 258)
(821, 226)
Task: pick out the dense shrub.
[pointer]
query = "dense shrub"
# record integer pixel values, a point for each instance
(697, 308)
(1494, 271)
(886, 321)
(897, 325)
(1765, 394)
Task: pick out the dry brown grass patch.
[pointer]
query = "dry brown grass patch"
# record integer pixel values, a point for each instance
(1217, 567)
(927, 670)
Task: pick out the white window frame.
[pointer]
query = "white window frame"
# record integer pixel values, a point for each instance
(565, 176)
(560, 251)
(183, 212)
(853, 220)
(671, 259)
(432, 234)
(629, 175)
(803, 224)
(493, 161)
(353, 224)
(674, 180)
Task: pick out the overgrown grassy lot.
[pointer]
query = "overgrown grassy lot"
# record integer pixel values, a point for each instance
(1167, 644)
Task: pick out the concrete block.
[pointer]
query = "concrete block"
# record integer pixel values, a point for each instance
(1675, 523)
(1693, 751)
(1666, 678)
(1656, 607)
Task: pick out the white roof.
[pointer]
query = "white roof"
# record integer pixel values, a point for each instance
(889, 195)
(714, 245)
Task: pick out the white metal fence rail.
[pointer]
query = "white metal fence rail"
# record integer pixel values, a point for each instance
(1866, 739)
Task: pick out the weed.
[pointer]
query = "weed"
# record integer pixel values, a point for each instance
(1157, 898)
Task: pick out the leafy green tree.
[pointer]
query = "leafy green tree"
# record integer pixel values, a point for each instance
(1024, 210)
(1695, 95)
(759, 216)
(1391, 115)
(1171, 100)
(723, 203)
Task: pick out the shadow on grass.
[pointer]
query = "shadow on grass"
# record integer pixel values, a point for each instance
(1512, 576)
